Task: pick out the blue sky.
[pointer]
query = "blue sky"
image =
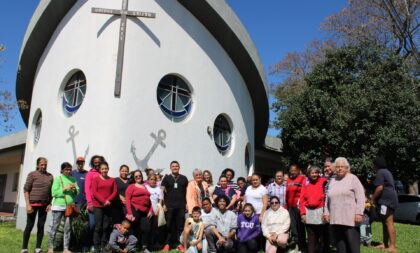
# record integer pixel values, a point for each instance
(276, 26)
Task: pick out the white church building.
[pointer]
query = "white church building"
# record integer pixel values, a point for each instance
(143, 84)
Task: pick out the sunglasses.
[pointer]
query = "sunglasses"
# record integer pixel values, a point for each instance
(274, 203)
(138, 177)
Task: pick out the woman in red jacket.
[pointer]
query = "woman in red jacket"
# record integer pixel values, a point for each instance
(104, 190)
(139, 208)
(311, 210)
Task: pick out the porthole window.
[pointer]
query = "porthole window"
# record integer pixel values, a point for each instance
(74, 92)
(37, 125)
(174, 97)
(222, 134)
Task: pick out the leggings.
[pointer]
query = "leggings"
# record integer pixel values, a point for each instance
(30, 222)
(142, 225)
(347, 239)
(102, 226)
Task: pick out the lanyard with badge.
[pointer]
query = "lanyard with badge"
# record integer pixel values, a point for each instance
(175, 183)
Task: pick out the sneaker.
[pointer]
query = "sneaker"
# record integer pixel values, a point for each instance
(145, 250)
(38, 250)
(166, 248)
(24, 251)
(180, 248)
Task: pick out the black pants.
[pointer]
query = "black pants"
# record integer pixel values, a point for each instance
(141, 226)
(30, 222)
(316, 238)
(347, 239)
(175, 218)
(297, 228)
(250, 246)
(102, 226)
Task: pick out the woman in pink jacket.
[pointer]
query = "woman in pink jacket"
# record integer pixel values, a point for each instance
(197, 190)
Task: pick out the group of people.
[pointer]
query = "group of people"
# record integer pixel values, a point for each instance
(153, 212)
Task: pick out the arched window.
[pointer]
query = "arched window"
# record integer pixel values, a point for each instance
(174, 97)
(222, 134)
(74, 93)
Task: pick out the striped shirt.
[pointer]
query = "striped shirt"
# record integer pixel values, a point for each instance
(279, 191)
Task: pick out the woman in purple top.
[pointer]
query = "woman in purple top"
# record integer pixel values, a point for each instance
(344, 207)
(249, 228)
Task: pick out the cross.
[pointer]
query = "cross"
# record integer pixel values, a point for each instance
(124, 12)
(75, 88)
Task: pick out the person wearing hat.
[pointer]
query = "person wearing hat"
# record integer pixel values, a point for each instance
(386, 200)
(80, 175)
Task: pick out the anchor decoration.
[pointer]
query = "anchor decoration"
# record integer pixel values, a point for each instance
(73, 133)
(142, 164)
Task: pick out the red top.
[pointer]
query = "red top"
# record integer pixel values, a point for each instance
(137, 197)
(103, 190)
(293, 189)
(312, 195)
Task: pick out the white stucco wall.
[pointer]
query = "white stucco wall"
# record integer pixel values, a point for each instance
(174, 42)
(10, 170)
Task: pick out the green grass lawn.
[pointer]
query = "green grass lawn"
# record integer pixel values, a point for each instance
(408, 238)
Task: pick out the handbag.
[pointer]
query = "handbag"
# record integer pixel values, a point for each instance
(161, 216)
(71, 209)
(314, 216)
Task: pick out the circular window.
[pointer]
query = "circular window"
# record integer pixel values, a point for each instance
(222, 133)
(74, 92)
(174, 97)
(37, 124)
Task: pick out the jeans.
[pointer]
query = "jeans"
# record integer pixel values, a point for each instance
(365, 234)
(213, 244)
(102, 226)
(57, 216)
(193, 249)
(30, 222)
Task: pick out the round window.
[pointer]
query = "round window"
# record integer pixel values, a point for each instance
(174, 97)
(74, 92)
(37, 125)
(222, 133)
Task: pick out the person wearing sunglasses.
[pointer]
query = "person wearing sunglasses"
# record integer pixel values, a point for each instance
(275, 226)
(139, 209)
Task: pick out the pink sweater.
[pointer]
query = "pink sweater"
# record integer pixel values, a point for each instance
(88, 185)
(345, 199)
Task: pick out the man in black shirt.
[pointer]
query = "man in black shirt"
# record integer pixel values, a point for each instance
(174, 187)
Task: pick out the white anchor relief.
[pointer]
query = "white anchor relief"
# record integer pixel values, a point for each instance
(142, 164)
(73, 133)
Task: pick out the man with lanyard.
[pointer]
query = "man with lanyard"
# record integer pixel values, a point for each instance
(293, 189)
(174, 187)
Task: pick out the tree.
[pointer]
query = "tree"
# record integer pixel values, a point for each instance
(393, 24)
(360, 102)
(7, 104)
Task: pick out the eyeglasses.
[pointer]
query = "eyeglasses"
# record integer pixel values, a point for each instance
(137, 176)
(274, 203)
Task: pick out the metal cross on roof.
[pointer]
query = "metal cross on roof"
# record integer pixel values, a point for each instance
(124, 13)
